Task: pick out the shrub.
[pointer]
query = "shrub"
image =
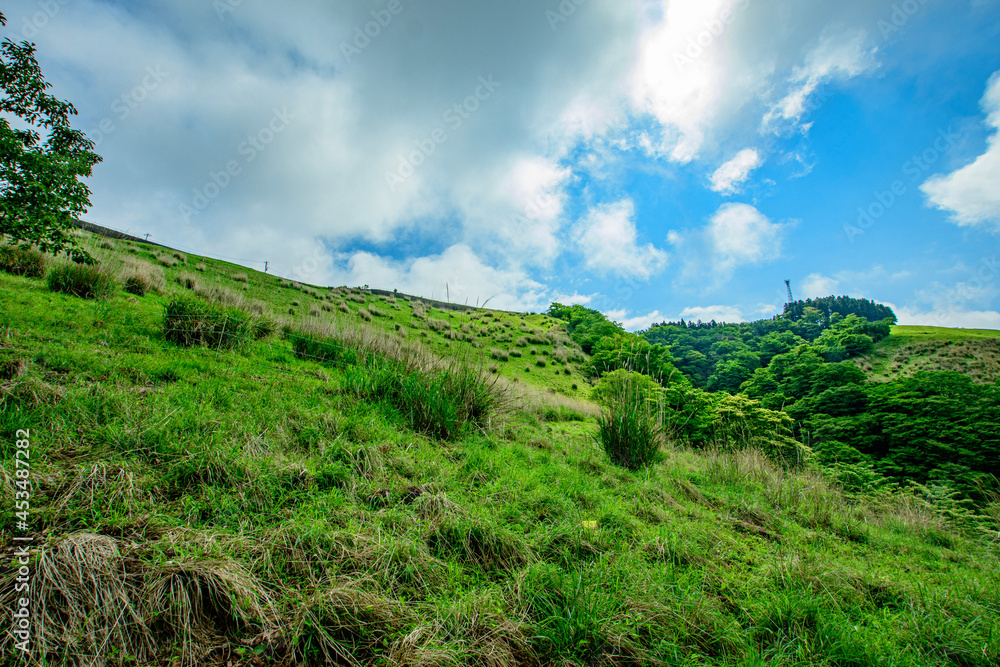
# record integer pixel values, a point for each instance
(364, 314)
(240, 277)
(438, 325)
(27, 262)
(92, 281)
(180, 257)
(630, 427)
(541, 363)
(200, 266)
(499, 355)
(190, 322)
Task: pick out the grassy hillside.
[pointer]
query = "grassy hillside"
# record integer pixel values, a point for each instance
(974, 352)
(253, 506)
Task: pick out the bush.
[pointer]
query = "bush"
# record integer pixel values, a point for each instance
(630, 428)
(29, 262)
(88, 281)
(190, 322)
(240, 277)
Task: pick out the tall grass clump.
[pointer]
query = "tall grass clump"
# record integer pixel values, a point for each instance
(139, 277)
(88, 281)
(27, 262)
(440, 401)
(188, 322)
(322, 350)
(630, 427)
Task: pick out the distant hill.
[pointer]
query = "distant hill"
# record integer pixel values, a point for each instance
(910, 349)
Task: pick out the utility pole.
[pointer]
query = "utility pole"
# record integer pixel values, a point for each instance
(265, 266)
(147, 236)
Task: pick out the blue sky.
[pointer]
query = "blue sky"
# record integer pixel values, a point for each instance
(652, 159)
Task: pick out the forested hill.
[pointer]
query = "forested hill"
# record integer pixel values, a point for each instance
(845, 305)
(803, 370)
(723, 356)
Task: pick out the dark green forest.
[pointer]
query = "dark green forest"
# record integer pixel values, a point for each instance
(792, 377)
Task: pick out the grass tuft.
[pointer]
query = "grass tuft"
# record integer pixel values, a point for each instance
(87, 281)
(27, 262)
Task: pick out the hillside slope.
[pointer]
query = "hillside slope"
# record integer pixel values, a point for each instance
(253, 506)
(910, 349)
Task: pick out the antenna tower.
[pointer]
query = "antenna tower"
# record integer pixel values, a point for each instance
(788, 287)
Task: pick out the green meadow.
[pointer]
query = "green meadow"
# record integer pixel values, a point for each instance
(231, 468)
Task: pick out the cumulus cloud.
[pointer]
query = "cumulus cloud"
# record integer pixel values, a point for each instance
(971, 194)
(728, 178)
(954, 317)
(608, 239)
(817, 285)
(718, 313)
(457, 274)
(574, 299)
(485, 167)
(702, 67)
(740, 235)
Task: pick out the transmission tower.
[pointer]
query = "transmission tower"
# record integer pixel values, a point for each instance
(788, 286)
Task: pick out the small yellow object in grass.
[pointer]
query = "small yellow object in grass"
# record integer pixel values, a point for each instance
(590, 525)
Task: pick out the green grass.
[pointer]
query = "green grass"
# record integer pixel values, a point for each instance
(197, 505)
(943, 333)
(974, 352)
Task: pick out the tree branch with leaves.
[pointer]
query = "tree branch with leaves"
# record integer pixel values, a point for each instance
(41, 194)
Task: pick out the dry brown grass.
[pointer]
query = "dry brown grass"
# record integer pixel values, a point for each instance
(345, 624)
(86, 603)
(197, 602)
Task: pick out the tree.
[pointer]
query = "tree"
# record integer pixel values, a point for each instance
(40, 192)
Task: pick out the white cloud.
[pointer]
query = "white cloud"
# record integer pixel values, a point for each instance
(456, 274)
(608, 239)
(841, 56)
(731, 314)
(642, 322)
(967, 319)
(816, 286)
(740, 234)
(634, 322)
(574, 299)
(971, 194)
(704, 66)
(732, 174)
